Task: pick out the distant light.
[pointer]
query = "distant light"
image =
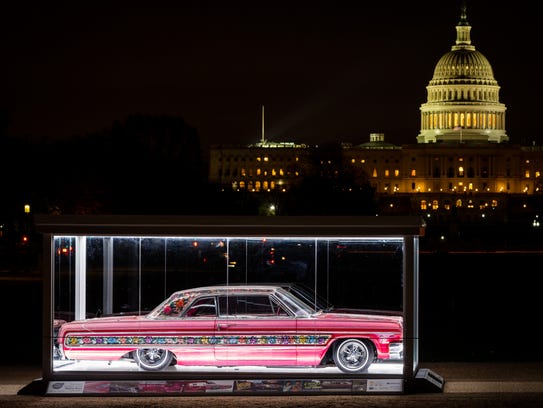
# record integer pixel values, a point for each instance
(27, 208)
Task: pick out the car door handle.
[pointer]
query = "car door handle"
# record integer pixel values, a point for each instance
(223, 326)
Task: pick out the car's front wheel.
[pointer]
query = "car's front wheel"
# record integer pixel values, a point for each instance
(353, 356)
(153, 359)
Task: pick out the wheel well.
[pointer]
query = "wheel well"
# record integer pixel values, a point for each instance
(174, 359)
(328, 357)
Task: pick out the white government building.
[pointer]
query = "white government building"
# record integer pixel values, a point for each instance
(462, 160)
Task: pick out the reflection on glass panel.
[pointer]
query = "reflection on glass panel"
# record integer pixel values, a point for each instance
(271, 261)
(126, 275)
(64, 278)
(365, 274)
(96, 295)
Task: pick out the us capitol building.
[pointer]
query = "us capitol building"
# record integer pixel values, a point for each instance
(462, 163)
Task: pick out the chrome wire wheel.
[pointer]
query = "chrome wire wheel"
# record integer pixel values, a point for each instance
(153, 359)
(353, 356)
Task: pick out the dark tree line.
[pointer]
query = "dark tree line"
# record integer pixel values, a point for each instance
(142, 165)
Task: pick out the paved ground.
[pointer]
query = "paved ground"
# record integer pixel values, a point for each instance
(493, 385)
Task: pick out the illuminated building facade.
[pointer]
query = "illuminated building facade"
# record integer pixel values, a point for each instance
(265, 166)
(462, 162)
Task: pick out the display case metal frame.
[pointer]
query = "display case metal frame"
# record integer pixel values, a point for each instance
(408, 228)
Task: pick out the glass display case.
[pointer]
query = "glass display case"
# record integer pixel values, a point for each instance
(160, 304)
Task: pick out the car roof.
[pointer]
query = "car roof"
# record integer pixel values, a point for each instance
(217, 289)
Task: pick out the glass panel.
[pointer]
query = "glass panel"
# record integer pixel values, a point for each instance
(133, 275)
(64, 278)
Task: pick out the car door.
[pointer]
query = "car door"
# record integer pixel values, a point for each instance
(254, 330)
(196, 331)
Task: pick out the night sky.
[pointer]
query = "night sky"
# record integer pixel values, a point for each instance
(324, 70)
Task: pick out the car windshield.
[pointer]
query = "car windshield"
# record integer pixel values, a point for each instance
(309, 297)
(297, 305)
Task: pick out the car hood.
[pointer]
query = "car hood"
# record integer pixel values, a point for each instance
(344, 310)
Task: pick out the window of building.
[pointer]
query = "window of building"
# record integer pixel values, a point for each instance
(413, 173)
(423, 205)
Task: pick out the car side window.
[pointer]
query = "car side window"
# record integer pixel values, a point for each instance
(204, 307)
(249, 305)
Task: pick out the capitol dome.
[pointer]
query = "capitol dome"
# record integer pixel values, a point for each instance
(463, 66)
(463, 96)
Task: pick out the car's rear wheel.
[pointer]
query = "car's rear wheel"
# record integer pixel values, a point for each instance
(153, 359)
(353, 356)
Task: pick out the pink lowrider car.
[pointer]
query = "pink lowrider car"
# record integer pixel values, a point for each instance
(261, 325)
